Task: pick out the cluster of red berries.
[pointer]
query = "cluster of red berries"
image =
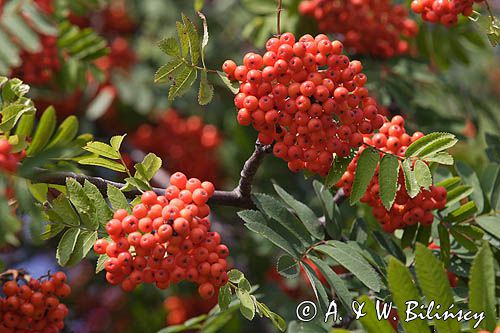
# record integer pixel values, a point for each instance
(374, 27)
(116, 20)
(307, 97)
(8, 160)
(444, 11)
(188, 145)
(121, 55)
(179, 309)
(33, 306)
(166, 239)
(39, 68)
(392, 138)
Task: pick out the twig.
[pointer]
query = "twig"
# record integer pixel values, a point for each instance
(239, 197)
(278, 17)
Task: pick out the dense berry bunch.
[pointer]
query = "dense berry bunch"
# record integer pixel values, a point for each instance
(307, 97)
(33, 306)
(444, 11)
(405, 211)
(166, 239)
(39, 68)
(8, 160)
(375, 27)
(188, 145)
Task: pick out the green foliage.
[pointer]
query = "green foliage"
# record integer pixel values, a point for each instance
(482, 293)
(81, 213)
(18, 34)
(435, 286)
(186, 49)
(367, 164)
(388, 180)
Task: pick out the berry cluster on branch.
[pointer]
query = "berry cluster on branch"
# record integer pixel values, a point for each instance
(406, 211)
(186, 144)
(33, 305)
(166, 239)
(374, 27)
(445, 12)
(39, 68)
(306, 97)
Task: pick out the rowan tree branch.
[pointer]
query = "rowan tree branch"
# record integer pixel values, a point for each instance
(238, 197)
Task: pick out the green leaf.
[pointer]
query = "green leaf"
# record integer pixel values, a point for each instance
(84, 243)
(463, 240)
(247, 306)
(305, 214)
(353, 262)
(45, 129)
(440, 158)
(423, 234)
(408, 236)
(434, 283)
(101, 261)
(244, 284)
(339, 166)
(103, 162)
(166, 73)
(422, 174)
(410, 181)
(270, 235)
(431, 144)
(225, 296)
(82, 203)
(235, 276)
(482, 288)
(471, 231)
(103, 212)
(62, 207)
(233, 86)
(193, 38)
(490, 223)
(148, 167)
(388, 179)
(67, 245)
(206, 91)
(134, 182)
(66, 132)
(182, 82)
(317, 286)
(462, 213)
(11, 115)
(370, 321)
(331, 211)
(25, 125)
(367, 164)
(287, 266)
(470, 178)
(102, 149)
(444, 243)
(276, 210)
(449, 183)
(183, 38)
(118, 199)
(116, 141)
(170, 46)
(403, 289)
(51, 231)
(458, 193)
(335, 282)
